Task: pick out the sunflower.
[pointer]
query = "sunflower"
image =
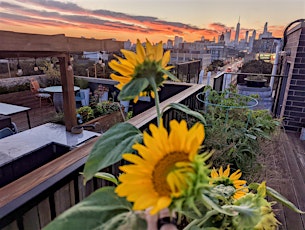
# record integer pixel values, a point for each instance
(163, 169)
(146, 63)
(224, 177)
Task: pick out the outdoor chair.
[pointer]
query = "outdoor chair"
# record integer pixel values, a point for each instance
(39, 93)
(79, 96)
(5, 132)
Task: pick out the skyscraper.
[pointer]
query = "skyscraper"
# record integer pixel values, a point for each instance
(251, 40)
(237, 32)
(246, 37)
(266, 33)
(266, 28)
(227, 37)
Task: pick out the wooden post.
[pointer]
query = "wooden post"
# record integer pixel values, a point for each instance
(67, 81)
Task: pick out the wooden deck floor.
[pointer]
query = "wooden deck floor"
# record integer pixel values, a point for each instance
(37, 115)
(284, 170)
(285, 158)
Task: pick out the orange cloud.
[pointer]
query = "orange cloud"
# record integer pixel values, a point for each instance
(73, 20)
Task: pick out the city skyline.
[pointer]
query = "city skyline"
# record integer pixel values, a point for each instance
(154, 20)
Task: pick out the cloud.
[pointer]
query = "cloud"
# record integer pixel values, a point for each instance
(63, 15)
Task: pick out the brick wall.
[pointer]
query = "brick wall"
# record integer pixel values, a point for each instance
(293, 110)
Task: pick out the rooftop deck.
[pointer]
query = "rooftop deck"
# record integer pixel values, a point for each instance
(285, 172)
(38, 115)
(284, 159)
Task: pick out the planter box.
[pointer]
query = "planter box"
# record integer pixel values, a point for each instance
(255, 83)
(106, 122)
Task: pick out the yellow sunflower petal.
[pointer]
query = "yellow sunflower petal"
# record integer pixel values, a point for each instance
(239, 182)
(236, 175)
(214, 173)
(122, 69)
(133, 158)
(220, 171)
(159, 51)
(226, 173)
(162, 203)
(140, 52)
(143, 202)
(149, 51)
(166, 58)
(130, 56)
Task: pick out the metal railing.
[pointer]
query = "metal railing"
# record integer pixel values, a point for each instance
(248, 82)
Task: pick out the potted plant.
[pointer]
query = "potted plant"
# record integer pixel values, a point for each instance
(101, 93)
(105, 113)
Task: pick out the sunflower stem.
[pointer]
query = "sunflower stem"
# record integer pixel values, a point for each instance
(157, 101)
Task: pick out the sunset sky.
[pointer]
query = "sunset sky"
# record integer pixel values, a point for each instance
(153, 19)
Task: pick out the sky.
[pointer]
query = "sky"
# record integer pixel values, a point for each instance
(155, 20)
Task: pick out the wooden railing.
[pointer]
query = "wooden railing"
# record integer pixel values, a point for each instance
(34, 200)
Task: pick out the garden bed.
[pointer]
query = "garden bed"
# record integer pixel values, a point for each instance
(105, 122)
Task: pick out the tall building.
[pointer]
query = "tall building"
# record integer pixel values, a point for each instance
(177, 41)
(265, 33)
(251, 40)
(237, 32)
(265, 28)
(227, 37)
(221, 38)
(254, 34)
(246, 36)
(170, 44)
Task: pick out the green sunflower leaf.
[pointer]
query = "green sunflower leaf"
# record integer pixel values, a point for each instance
(133, 89)
(187, 110)
(92, 212)
(106, 176)
(110, 146)
(170, 75)
(126, 220)
(211, 205)
(278, 197)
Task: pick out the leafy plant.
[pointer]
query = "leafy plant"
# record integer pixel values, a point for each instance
(86, 113)
(81, 82)
(235, 131)
(52, 72)
(105, 107)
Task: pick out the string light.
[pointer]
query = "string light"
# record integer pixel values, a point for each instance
(69, 66)
(19, 70)
(35, 66)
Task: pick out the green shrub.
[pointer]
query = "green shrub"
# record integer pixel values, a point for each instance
(86, 113)
(105, 107)
(236, 133)
(82, 83)
(15, 88)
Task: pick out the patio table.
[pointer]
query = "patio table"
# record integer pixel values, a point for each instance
(58, 96)
(9, 109)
